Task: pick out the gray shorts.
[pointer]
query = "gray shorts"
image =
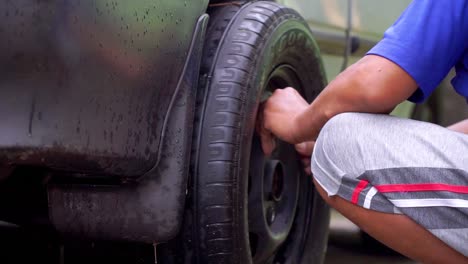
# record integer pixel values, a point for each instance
(400, 166)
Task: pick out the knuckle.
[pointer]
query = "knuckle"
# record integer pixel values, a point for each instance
(278, 91)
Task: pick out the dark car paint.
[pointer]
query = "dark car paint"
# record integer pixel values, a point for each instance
(103, 89)
(85, 86)
(150, 210)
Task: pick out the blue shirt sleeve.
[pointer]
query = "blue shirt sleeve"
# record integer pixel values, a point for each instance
(426, 41)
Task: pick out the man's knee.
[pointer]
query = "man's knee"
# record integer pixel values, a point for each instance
(330, 200)
(346, 122)
(340, 134)
(338, 149)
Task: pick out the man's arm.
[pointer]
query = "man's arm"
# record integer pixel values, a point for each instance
(372, 85)
(418, 42)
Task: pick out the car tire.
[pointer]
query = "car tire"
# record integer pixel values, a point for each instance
(249, 51)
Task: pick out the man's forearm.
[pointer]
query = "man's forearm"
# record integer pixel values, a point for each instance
(373, 85)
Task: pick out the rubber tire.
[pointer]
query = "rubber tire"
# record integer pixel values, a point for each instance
(256, 39)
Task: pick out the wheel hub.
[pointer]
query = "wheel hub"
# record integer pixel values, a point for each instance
(274, 186)
(274, 170)
(272, 199)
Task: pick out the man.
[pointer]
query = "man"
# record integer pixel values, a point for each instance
(402, 181)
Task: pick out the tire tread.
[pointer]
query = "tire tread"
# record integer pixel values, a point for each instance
(217, 220)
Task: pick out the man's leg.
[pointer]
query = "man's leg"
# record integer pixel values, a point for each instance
(398, 232)
(403, 182)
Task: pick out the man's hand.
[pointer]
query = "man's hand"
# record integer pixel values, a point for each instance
(372, 85)
(305, 150)
(279, 118)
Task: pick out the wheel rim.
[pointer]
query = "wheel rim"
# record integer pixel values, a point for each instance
(273, 185)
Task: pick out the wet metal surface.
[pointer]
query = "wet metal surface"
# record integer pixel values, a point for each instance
(86, 85)
(150, 210)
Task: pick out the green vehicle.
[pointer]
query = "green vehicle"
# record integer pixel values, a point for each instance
(127, 128)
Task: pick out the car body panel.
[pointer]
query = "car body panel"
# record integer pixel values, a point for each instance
(86, 86)
(151, 209)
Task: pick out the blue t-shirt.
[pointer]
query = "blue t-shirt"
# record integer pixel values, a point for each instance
(427, 40)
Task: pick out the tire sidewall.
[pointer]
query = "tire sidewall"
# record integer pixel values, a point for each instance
(286, 40)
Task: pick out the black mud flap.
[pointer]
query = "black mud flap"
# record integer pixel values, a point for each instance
(151, 209)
